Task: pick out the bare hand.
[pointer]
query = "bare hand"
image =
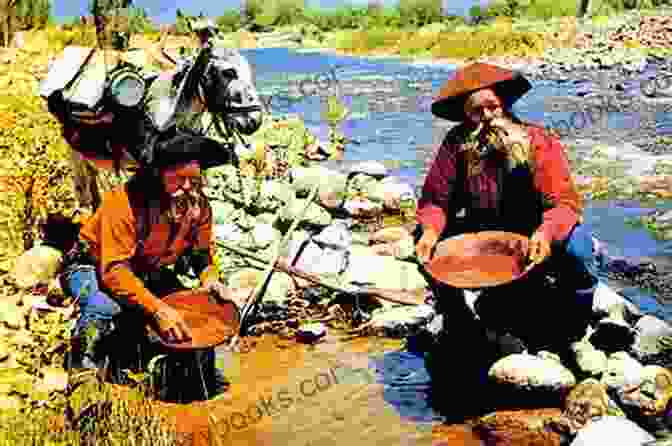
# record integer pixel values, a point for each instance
(218, 290)
(172, 327)
(424, 247)
(539, 248)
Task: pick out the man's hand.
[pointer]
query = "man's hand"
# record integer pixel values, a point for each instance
(218, 290)
(172, 327)
(426, 243)
(539, 248)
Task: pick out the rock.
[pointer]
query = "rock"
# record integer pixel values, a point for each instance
(229, 232)
(315, 215)
(327, 253)
(37, 265)
(11, 315)
(622, 371)
(55, 379)
(604, 298)
(363, 208)
(402, 250)
(586, 401)
(4, 352)
(590, 360)
(651, 397)
(304, 179)
(311, 332)
(278, 190)
(242, 219)
(264, 234)
(278, 288)
(526, 372)
(222, 211)
(612, 430)
(649, 330)
(391, 193)
(390, 235)
(360, 184)
(267, 218)
(401, 321)
(518, 427)
(371, 168)
(613, 334)
(382, 272)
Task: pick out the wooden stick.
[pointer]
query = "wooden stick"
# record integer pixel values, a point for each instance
(405, 297)
(259, 292)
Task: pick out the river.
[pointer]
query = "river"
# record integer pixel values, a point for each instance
(368, 391)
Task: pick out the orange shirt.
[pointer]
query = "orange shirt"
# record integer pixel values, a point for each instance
(111, 235)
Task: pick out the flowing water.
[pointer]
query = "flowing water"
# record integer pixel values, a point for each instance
(368, 391)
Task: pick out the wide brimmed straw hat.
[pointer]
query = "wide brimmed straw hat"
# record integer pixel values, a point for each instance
(508, 85)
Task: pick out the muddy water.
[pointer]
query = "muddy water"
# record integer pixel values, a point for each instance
(361, 391)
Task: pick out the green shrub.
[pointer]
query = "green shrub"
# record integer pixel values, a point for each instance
(229, 21)
(420, 12)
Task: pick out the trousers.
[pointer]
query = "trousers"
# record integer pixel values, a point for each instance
(110, 332)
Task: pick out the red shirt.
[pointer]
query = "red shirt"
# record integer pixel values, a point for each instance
(443, 195)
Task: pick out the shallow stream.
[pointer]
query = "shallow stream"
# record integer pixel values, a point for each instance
(371, 391)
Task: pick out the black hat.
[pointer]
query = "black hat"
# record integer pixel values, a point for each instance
(185, 148)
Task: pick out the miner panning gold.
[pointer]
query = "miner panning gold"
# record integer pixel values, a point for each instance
(511, 176)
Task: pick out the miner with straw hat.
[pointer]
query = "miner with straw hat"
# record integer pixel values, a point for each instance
(508, 175)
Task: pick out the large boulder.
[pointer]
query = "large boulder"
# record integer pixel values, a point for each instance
(381, 271)
(612, 430)
(524, 371)
(304, 179)
(590, 361)
(401, 321)
(651, 397)
(37, 265)
(623, 371)
(650, 337)
(588, 400)
(314, 215)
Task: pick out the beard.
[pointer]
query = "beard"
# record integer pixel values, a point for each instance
(185, 203)
(510, 140)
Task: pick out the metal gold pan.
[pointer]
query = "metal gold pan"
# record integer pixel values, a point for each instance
(211, 324)
(480, 260)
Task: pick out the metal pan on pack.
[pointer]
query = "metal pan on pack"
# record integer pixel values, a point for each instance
(480, 260)
(211, 323)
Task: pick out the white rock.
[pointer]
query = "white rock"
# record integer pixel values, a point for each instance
(622, 370)
(304, 179)
(604, 299)
(372, 168)
(612, 430)
(589, 359)
(264, 234)
(314, 214)
(277, 190)
(37, 265)
(527, 371)
(382, 271)
(648, 330)
(390, 191)
(228, 232)
(402, 320)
